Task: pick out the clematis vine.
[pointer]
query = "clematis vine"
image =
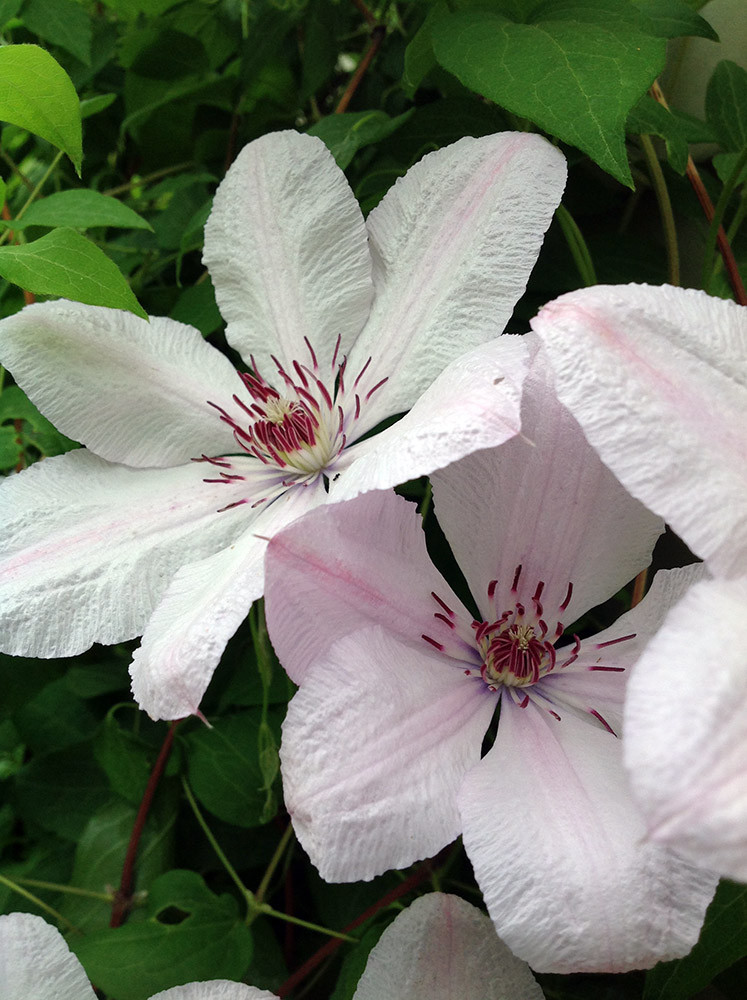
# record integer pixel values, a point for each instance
(158, 525)
(439, 948)
(382, 745)
(657, 378)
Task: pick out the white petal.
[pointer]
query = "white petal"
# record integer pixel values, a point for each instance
(216, 989)
(90, 547)
(286, 247)
(443, 948)
(36, 963)
(545, 502)
(657, 377)
(131, 391)
(557, 846)
(202, 608)
(474, 404)
(686, 728)
(453, 244)
(586, 683)
(348, 566)
(375, 746)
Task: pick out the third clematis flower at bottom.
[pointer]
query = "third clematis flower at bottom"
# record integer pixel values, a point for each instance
(399, 682)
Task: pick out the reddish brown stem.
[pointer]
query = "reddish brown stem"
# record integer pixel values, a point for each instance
(730, 264)
(639, 588)
(370, 19)
(123, 896)
(423, 872)
(377, 37)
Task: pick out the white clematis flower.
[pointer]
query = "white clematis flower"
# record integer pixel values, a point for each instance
(381, 749)
(657, 377)
(439, 948)
(158, 526)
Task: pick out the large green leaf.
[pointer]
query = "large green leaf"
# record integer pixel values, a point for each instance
(723, 941)
(189, 934)
(224, 766)
(726, 105)
(576, 70)
(80, 209)
(63, 263)
(37, 94)
(61, 22)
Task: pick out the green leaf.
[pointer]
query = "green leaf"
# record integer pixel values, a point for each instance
(726, 105)
(125, 758)
(189, 934)
(576, 73)
(345, 134)
(36, 431)
(11, 448)
(59, 791)
(55, 718)
(725, 164)
(92, 105)
(37, 94)
(197, 306)
(8, 9)
(80, 209)
(676, 129)
(723, 941)
(419, 56)
(63, 263)
(164, 54)
(673, 18)
(61, 22)
(99, 857)
(224, 766)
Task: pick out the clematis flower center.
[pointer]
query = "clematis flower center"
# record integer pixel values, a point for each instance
(300, 431)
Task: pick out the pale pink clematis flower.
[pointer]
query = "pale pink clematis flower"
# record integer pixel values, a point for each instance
(439, 948)
(381, 749)
(158, 526)
(657, 377)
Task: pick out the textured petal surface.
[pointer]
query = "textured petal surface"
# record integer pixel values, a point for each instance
(286, 247)
(375, 746)
(686, 728)
(556, 843)
(453, 244)
(131, 391)
(202, 608)
(36, 963)
(587, 685)
(443, 948)
(348, 566)
(89, 547)
(545, 502)
(216, 989)
(473, 404)
(657, 377)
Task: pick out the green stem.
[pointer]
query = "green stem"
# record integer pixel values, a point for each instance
(246, 893)
(577, 245)
(34, 195)
(267, 911)
(148, 179)
(37, 902)
(259, 895)
(427, 498)
(734, 227)
(665, 207)
(70, 890)
(718, 214)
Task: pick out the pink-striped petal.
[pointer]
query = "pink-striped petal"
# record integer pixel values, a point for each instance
(657, 377)
(89, 547)
(286, 247)
(453, 244)
(557, 846)
(202, 608)
(131, 391)
(686, 728)
(474, 404)
(216, 989)
(443, 948)
(348, 566)
(544, 502)
(375, 746)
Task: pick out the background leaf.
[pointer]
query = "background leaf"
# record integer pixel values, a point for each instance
(80, 209)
